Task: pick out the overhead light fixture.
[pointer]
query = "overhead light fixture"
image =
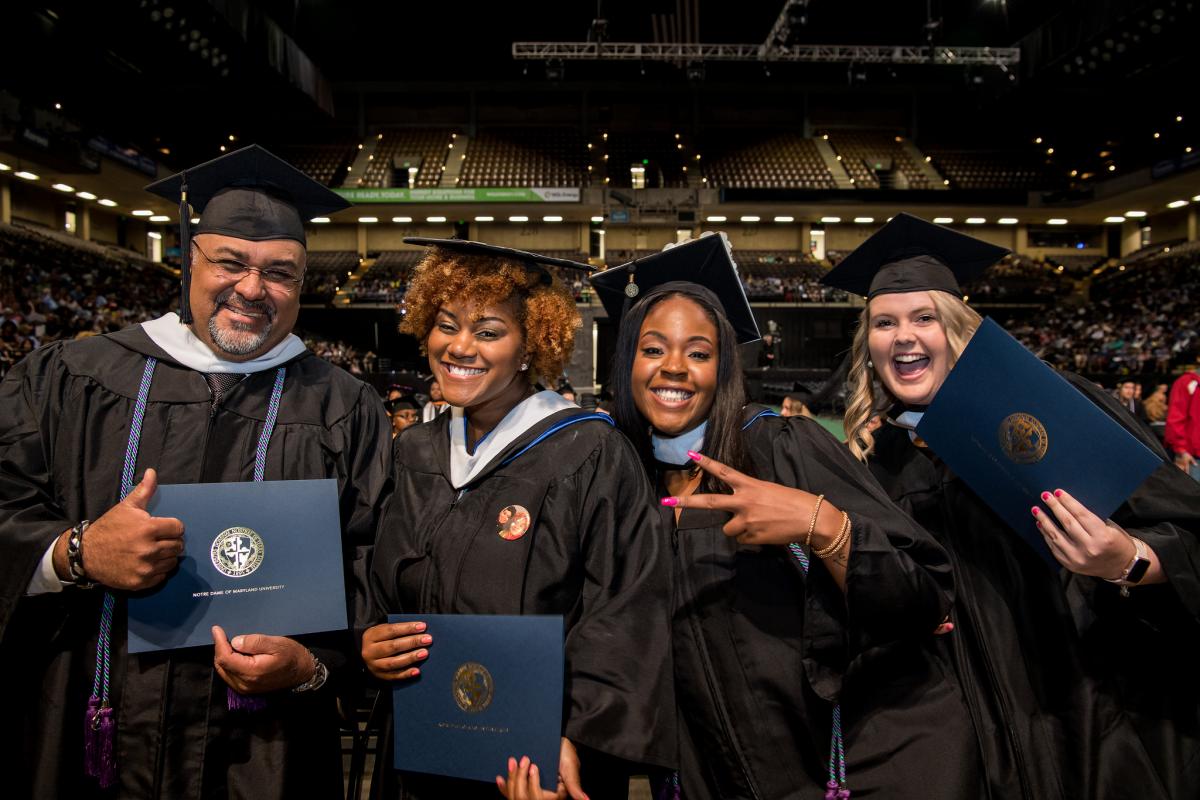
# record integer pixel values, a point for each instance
(160, 218)
(1056, 221)
(368, 220)
(943, 220)
(85, 195)
(62, 187)
(142, 212)
(104, 201)
(154, 235)
(785, 219)
(1007, 221)
(975, 220)
(26, 175)
(518, 219)
(1135, 214)
(319, 220)
(552, 218)
(1177, 204)
(715, 219)
(4, 167)
(485, 219)
(864, 220)
(402, 220)
(1114, 219)
(1196, 198)
(597, 219)
(435, 220)
(750, 218)
(831, 220)
(196, 220)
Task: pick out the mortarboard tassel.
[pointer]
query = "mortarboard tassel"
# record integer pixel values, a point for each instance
(185, 254)
(99, 733)
(236, 701)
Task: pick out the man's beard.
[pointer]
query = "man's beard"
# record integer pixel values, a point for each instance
(237, 339)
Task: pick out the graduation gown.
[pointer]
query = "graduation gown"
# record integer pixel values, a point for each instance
(594, 553)
(65, 413)
(1036, 651)
(763, 652)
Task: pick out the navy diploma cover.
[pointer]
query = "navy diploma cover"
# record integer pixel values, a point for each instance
(259, 557)
(1012, 428)
(492, 687)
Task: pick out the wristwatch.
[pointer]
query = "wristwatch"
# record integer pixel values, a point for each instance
(1136, 570)
(320, 675)
(75, 556)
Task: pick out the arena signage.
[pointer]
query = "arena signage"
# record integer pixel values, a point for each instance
(500, 195)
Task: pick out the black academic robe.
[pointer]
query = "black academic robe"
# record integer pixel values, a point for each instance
(1041, 695)
(594, 553)
(65, 413)
(763, 652)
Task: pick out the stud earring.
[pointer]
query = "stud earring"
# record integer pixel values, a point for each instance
(870, 365)
(524, 367)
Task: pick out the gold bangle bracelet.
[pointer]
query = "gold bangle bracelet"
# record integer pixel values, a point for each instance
(839, 542)
(812, 523)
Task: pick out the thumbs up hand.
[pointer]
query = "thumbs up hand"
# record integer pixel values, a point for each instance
(128, 549)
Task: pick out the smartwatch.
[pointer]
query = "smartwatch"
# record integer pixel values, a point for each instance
(1136, 569)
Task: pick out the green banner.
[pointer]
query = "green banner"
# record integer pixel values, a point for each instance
(499, 195)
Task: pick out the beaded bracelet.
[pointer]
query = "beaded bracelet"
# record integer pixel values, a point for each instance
(838, 543)
(75, 556)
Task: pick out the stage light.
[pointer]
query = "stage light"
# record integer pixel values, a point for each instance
(518, 219)
(831, 220)
(62, 187)
(368, 220)
(864, 220)
(26, 175)
(1007, 221)
(319, 220)
(104, 201)
(435, 220)
(975, 220)
(85, 195)
(714, 219)
(142, 212)
(1135, 214)
(1177, 204)
(943, 220)
(485, 219)
(160, 218)
(1114, 219)
(750, 218)
(785, 219)
(1056, 221)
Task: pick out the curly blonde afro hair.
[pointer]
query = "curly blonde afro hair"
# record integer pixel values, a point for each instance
(545, 310)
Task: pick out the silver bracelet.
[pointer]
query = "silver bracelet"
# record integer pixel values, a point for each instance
(320, 675)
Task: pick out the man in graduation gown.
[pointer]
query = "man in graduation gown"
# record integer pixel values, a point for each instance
(66, 414)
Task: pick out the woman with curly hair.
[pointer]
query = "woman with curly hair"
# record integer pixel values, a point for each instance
(1037, 652)
(519, 502)
(804, 598)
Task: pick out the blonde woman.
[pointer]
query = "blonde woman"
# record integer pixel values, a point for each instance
(1057, 705)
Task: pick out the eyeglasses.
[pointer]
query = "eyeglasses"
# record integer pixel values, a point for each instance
(233, 270)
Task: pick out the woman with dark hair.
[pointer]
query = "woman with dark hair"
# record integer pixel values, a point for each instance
(1060, 670)
(809, 613)
(518, 502)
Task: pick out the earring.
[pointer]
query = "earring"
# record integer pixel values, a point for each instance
(524, 367)
(869, 364)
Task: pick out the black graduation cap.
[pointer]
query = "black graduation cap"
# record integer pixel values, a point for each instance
(249, 194)
(531, 260)
(404, 401)
(705, 261)
(911, 255)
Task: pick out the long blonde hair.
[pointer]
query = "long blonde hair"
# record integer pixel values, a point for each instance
(866, 396)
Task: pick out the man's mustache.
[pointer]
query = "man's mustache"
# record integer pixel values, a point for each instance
(243, 304)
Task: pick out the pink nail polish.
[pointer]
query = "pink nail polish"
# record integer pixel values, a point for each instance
(670, 501)
(1058, 492)
(694, 456)
(1045, 495)
(1035, 511)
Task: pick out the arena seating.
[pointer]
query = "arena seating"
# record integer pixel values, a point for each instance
(862, 150)
(428, 144)
(324, 162)
(542, 157)
(626, 149)
(766, 161)
(325, 272)
(968, 169)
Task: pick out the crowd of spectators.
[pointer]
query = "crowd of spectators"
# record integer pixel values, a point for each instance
(348, 357)
(1017, 279)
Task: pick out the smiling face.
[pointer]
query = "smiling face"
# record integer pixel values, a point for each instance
(674, 374)
(475, 355)
(908, 346)
(240, 317)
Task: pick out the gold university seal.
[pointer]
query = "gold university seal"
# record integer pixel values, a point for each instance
(1023, 438)
(472, 687)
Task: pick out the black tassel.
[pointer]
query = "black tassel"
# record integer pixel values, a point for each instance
(185, 255)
